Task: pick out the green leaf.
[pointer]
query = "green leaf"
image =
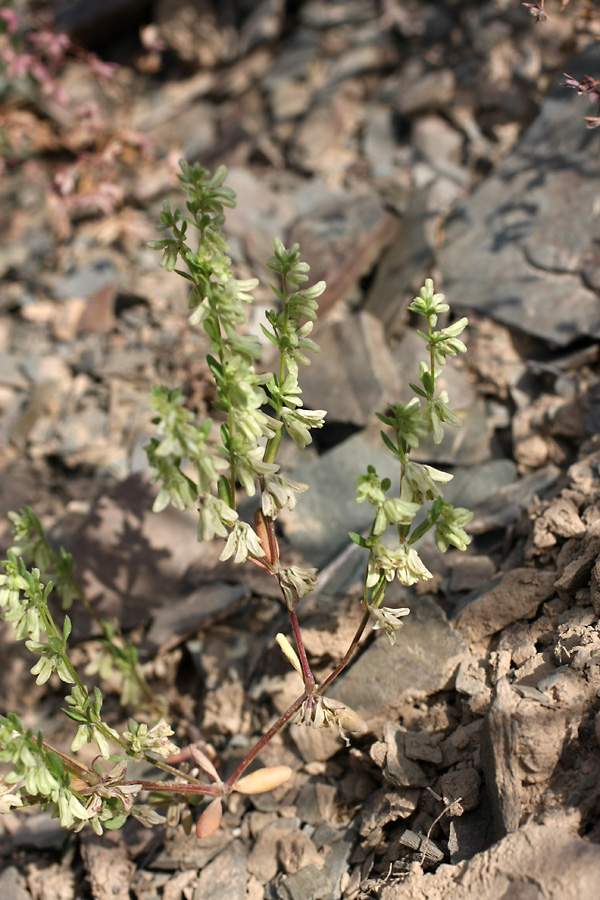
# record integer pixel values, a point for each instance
(185, 275)
(269, 335)
(55, 763)
(76, 717)
(418, 390)
(390, 445)
(115, 823)
(358, 539)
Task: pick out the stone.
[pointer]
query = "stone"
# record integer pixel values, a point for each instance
(351, 387)
(499, 759)
(397, 768)
(540, 862)
(387, 806)
(307, 884)
(12, 884)
(85, 281)
(464, 784)
(472, 832)
(295, 851)
(508, 252)
(510, 597)
(225, 876)
(262, 859)
(342, 235)
(468, 572)
(423, 661)
(502, 506)
(409, 257)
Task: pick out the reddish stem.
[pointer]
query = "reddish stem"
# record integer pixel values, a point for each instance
(349, 652)
(251, 756)
(178, 787)
(309, 678)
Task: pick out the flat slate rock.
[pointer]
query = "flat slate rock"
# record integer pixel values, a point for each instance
(523, 248)
(423, 661)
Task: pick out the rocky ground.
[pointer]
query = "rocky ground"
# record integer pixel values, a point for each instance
(393, 140)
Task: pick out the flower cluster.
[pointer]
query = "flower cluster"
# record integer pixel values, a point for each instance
(192, 471)
(418, 483)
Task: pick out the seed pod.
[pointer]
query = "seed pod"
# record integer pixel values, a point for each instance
(266, 779)
(348, 720)
(260, 526)
(289, 652)
(210, 819)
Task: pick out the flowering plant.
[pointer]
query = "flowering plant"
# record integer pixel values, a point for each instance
(197, 470)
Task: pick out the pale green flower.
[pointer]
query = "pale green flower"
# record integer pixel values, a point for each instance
(295, 583)
(394, 511)
(428, 303)
(411, 568)
(387, 620)
(298, 423)
(369, 488)
(49, 662)
(150, 740)
(215, 517)
(420, 482)
(86, 733)
(449, 528)
(280, 491)
(403, 562)
(250, 466)
(8, 801)
(242, 543)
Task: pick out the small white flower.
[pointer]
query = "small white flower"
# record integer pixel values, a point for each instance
(278, 492)
(295, 583)
(242, 543)
(298, 423)
(387, 620)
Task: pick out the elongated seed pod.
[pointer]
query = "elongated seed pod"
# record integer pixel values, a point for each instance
(266, 779)
(289, 652)
(210, 819)
(260, 526)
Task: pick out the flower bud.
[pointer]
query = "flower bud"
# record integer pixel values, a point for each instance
(266, 779)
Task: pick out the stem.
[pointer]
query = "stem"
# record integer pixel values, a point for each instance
(349, 652)
(170, 787)
(160, 764)
(309, 679)
(279, 724)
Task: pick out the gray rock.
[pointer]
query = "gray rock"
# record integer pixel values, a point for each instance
(337, 861)
(351, 387)
(307, 884)
(424, 660)
(471, 833)
(319, 525)
(540, 861)
(84, 282)
(510, 597)
(341, 236)
(379, 141)
(12, 885)
(522, 248)
(499, 759)
(225, 876)
(503, 506)
(410, 255)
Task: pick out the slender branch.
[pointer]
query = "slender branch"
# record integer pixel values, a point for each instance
(349, 653)
(279, 724)
(309, 678)
(177, 787)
